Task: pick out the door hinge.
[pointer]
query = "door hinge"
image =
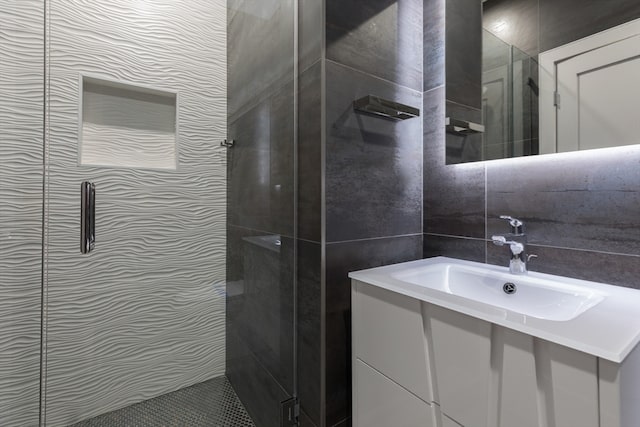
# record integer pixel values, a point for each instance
(289, 413)
(556, 99)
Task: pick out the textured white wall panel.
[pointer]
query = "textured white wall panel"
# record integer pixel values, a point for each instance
(144, 313)
(21, 107)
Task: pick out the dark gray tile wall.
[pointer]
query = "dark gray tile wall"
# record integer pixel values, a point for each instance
(341, 258)
(580, 208)
(433, 44)
(586, 200)
(454, 200)
(259, 320)
(259, 45)
(456, 247)
(380, 37)
(522, 19)
(463, 148)
(260, 166)
(310, 154)
(463, 67)
(538, 25)
(260, 207)
(309, 329)
(309, 257)
(463, 60)
(310, 30)
(373, 167)
(564, 21)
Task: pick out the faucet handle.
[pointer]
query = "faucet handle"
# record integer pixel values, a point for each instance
(516, 247)
(499, 240)
(517, 226)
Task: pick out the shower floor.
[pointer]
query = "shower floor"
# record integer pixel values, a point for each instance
(212, 403)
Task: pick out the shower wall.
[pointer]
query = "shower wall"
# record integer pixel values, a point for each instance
(21, 101)
(144, 313)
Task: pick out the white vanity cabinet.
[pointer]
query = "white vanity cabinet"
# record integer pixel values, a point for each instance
(418, 364)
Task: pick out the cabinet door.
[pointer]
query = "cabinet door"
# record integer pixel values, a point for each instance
(489, 376)
(568, 380)
(380, 402)
(461, 349)
(514, 367)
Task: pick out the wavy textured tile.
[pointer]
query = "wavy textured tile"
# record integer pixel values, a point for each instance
(143, 314)
(21, 101)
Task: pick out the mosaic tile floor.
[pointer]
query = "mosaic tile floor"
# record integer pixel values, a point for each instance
(212, 403)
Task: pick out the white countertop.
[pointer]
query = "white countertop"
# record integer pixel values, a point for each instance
(610, 330)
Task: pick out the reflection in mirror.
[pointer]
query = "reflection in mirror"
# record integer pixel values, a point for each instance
(514, 67)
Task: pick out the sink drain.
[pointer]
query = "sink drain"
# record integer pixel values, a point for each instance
(509, 288)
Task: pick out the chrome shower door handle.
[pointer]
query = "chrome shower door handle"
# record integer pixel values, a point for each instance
(87, 217)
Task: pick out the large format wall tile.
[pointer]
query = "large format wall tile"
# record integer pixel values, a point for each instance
(455, 247)
(379, 37)
(309, 297)
(310, 27)
(341, 258)
(583, 200)
(463, 60)
(433, 44)
(144, 313)
(514, 21)
(564, 21)
(261, 165)
(310, 154)
(260, 49)
(259, 321)
(21, 134)
(373, 165)
(454, 195)
(614, 269)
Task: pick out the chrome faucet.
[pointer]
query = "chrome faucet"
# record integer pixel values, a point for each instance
(517, 241)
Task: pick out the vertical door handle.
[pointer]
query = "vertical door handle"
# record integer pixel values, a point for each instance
(87, 217)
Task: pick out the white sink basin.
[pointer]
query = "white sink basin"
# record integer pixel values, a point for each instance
(594, 318)
(532, 296)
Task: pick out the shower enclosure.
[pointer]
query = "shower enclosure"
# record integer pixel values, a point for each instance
(509, 100)
(192, 273)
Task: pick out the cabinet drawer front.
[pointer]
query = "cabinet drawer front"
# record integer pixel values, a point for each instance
(379, 402)
(389, 336)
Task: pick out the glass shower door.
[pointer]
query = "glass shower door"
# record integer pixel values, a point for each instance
(192, 273)
(136, 106)
(262, 229)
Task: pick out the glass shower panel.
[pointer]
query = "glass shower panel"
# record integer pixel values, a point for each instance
(509, 100)
(496, 96)
(137, 107)
(21, 141)
(261, 205)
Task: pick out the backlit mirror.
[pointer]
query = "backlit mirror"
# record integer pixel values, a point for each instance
(528, 77)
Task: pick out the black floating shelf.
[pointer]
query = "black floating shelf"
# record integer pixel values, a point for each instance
(384, 108)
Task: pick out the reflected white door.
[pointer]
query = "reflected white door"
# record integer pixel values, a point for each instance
(598, 95)
(589, 90)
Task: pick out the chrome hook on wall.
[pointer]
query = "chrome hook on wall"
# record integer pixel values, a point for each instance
(228, 143)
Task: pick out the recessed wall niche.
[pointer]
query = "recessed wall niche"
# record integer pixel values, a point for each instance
(126, 125)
